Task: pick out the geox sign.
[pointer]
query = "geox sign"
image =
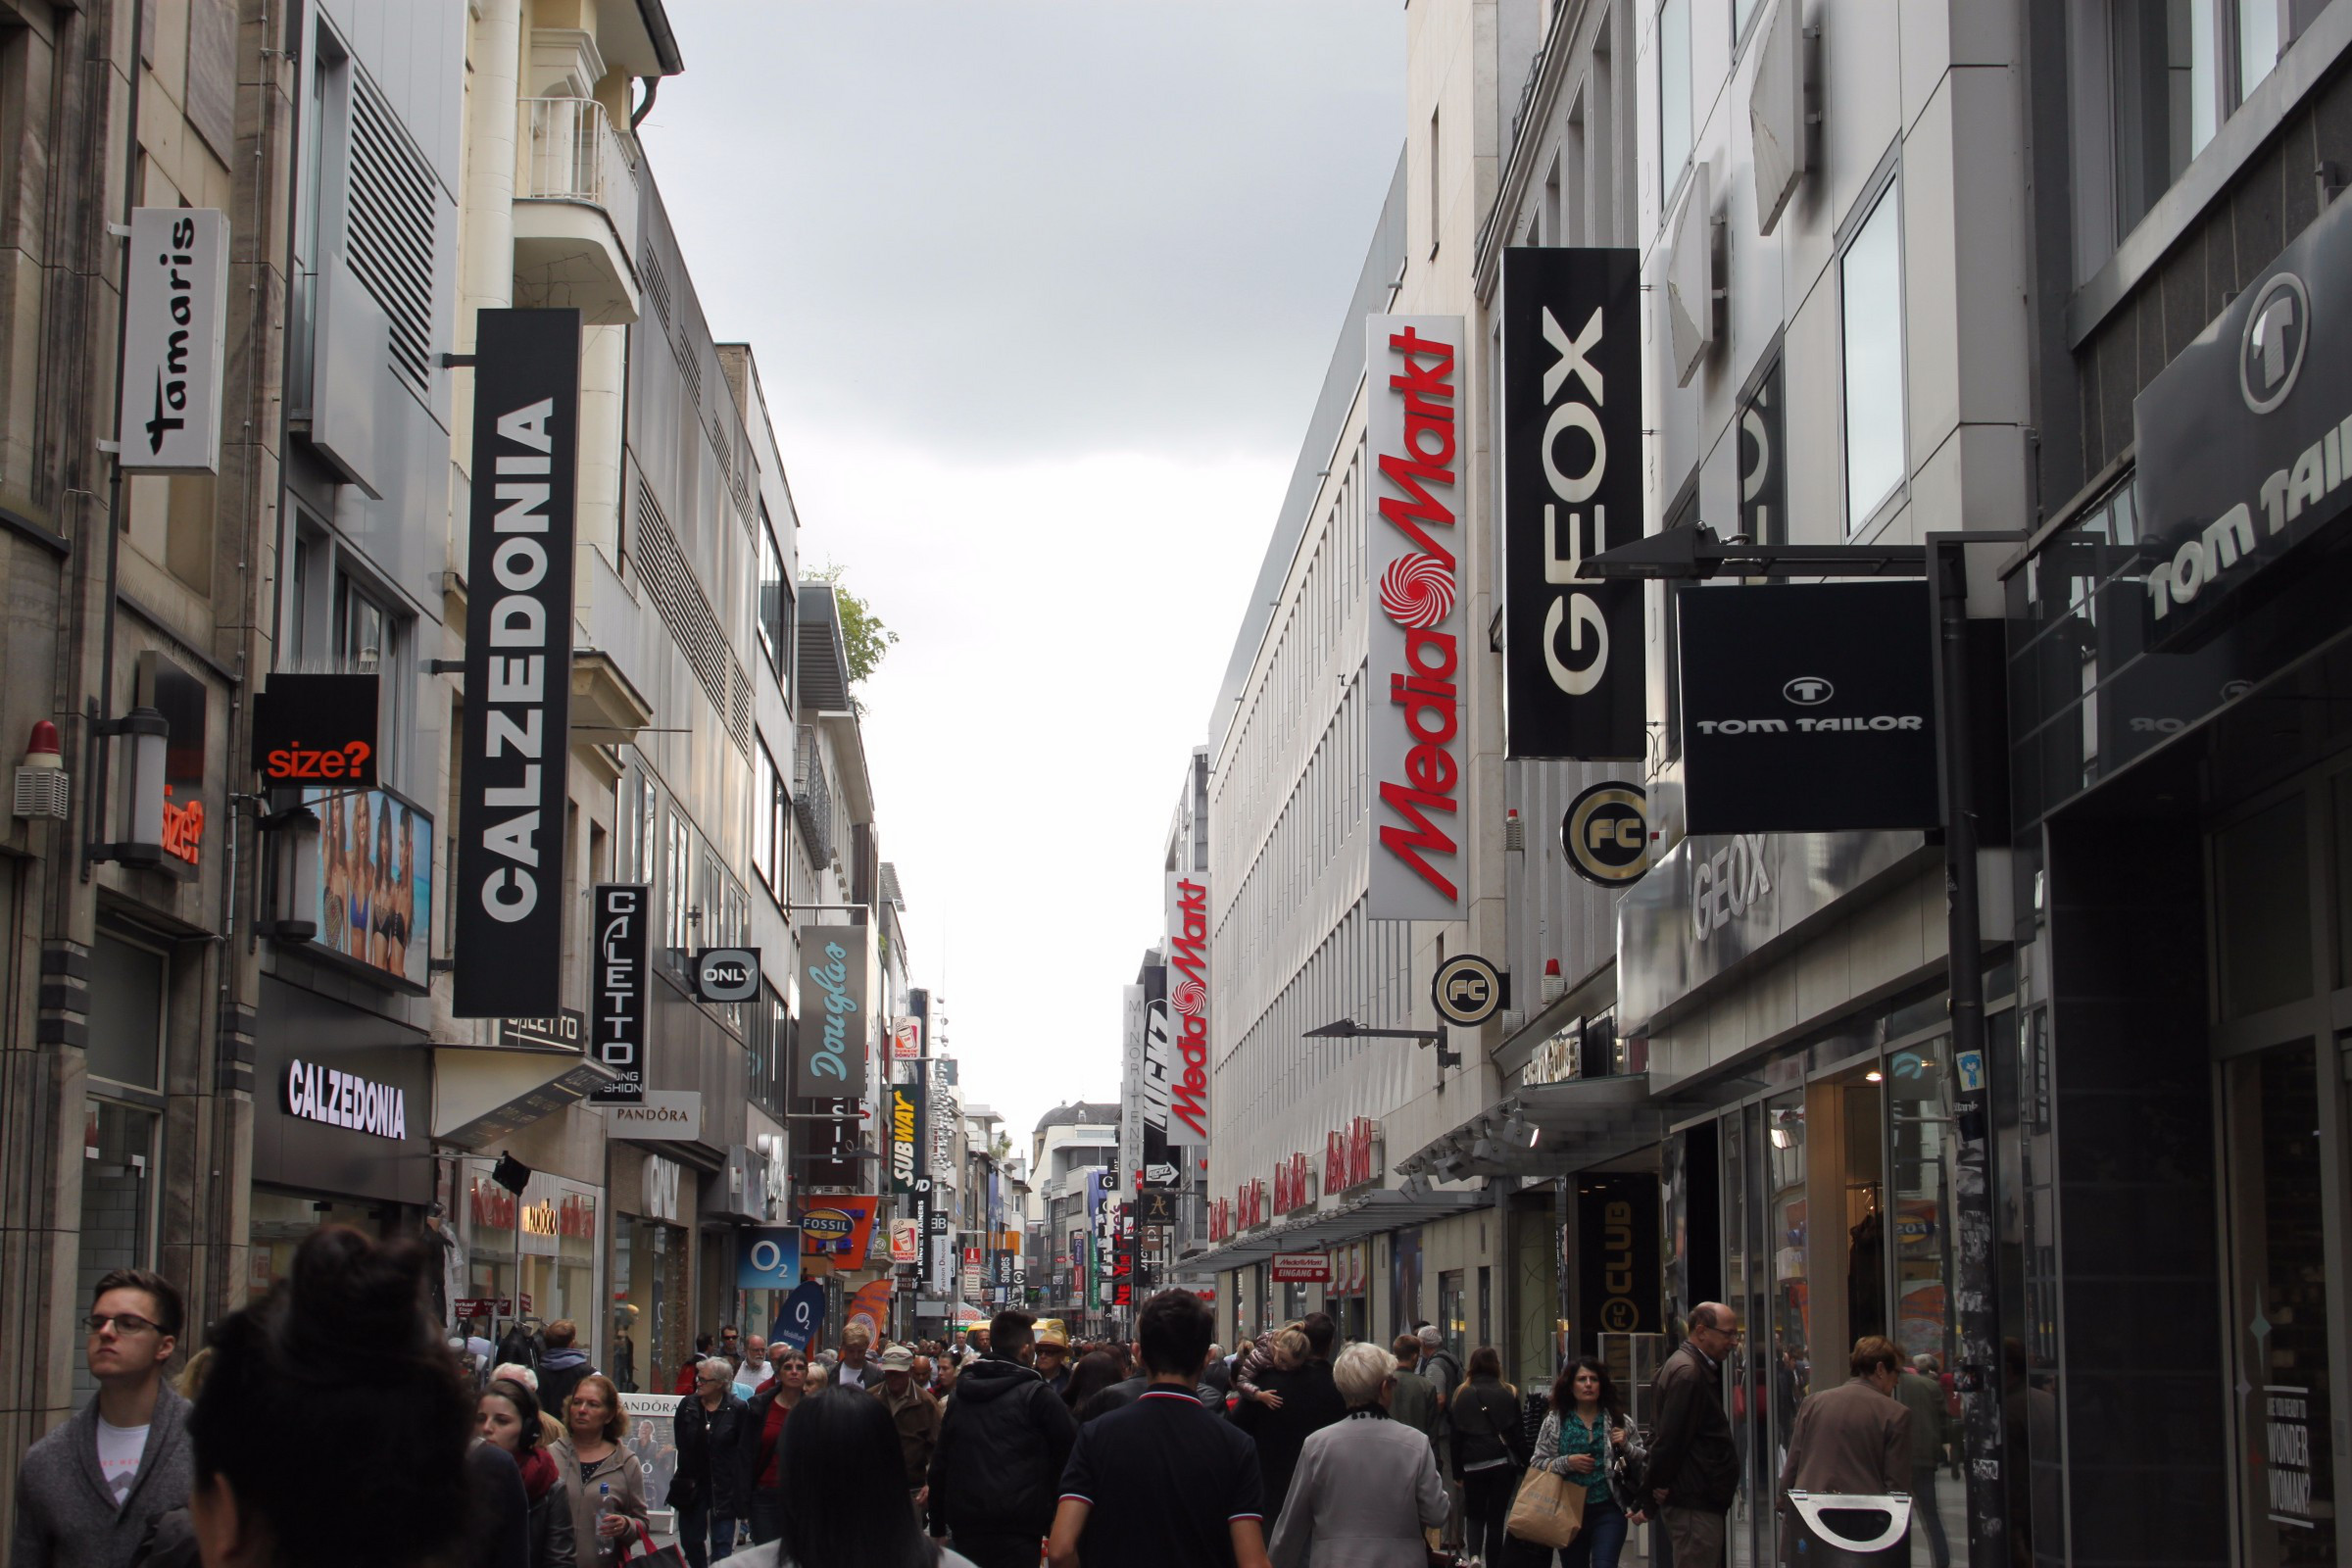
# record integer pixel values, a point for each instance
(509, 940)
(2245, 439)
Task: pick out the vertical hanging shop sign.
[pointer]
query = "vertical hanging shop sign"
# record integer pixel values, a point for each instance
(1573, 682)
(1157, 1164)
(836, 967)
(905, 1103)
(174, 324)
(1413, 366)
(1188, 1010)
(619, 916)
(509, 939)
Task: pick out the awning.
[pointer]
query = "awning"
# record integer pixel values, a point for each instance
(1383, 1209)
(483, 1094)
(1547, 1130)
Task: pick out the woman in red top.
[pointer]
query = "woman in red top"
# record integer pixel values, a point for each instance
(763, 1428)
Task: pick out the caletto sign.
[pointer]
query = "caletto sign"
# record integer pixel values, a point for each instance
(1573, 682)
(509, 939)
(2244, 441)
(1809, 708)
(620, 917)
(1414, 369)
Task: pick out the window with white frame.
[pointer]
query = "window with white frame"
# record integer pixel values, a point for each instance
(1870, 286)
(1673, 95)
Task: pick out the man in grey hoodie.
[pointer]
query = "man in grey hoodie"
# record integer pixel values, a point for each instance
(87, 1491)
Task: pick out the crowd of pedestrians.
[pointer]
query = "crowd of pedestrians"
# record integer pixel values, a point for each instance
(330, 1422)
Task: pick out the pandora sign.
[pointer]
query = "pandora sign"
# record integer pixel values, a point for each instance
(1412, 368)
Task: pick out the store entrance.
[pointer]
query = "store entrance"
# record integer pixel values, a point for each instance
(2280, 902)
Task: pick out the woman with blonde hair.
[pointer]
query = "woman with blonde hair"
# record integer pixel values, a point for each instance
(597, 1469)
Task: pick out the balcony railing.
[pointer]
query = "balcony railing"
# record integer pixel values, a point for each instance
(571, 152)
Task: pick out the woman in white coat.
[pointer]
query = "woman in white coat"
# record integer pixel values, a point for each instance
(1367, 1487)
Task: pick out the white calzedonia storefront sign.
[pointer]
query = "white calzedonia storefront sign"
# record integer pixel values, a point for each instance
(173, 328)
(344, 1100)
(1412, 384)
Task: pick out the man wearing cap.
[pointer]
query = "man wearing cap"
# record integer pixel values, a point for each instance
(915, 1414)
(1053, 1356)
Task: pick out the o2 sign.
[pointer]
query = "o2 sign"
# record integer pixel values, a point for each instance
(768, 1258)
(800, 1317)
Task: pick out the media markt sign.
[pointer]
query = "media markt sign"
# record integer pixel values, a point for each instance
(665, 1115)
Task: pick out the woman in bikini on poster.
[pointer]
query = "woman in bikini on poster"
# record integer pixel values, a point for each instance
(334, 879)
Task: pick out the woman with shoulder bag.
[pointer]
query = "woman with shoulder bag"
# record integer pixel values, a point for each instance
(603, 1480)
(1586, 1437)
(1489, 1453)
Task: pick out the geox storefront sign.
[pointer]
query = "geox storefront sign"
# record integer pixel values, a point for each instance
(2245, 439)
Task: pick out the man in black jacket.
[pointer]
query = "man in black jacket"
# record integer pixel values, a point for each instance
(1310, 1401)
(1694, 1471)
(997, 1473)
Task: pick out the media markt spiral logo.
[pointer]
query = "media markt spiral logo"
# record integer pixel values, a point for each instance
(1189, 997)
(1417, 591)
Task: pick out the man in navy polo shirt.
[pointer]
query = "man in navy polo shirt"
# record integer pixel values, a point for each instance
(1163, 1482)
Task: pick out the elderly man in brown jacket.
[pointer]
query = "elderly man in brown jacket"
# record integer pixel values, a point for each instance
(1855, 1438)
(915, 1412)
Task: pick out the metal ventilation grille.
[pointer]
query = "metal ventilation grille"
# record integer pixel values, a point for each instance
(656, 285)
(684, 611)
(389, 231)
(739, 707)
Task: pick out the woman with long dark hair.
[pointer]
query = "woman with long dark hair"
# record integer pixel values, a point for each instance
(845, 1496)
(1584, 1434)
(1489, 1450)
(1096, 1371)
(333, 1423)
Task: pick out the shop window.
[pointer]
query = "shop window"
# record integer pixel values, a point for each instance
(280, 1221)
(371, 639)
(1922, 1133)
(118, 1200)
(1673, 96)
(126, 1012)
(2265, 909)
(1790, 1302)
(2279, 1307)
(1870, 276)
(1452, 1318)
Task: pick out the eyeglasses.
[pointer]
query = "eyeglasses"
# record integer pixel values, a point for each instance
(123, 1323)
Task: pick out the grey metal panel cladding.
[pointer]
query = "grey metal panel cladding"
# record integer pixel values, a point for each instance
(414, 50)
(1557, 914)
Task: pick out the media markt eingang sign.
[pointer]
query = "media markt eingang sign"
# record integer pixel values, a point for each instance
(2244, 441)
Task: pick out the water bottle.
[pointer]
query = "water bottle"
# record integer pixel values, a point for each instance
(604, 1507)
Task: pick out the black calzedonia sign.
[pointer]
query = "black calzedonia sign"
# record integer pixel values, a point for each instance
(1809, 708)
(1571, 667)
(621, 919)
(508, 938)
(316, 730)
(2244, 441)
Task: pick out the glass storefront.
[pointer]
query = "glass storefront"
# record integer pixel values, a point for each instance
(555, 1264)
(651, 1331)
(280, 1220)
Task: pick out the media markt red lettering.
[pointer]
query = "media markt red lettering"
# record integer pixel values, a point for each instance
(1187, 955)
(1417, 593)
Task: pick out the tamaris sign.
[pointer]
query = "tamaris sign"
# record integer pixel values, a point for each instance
(511, 805)
(1412, 369)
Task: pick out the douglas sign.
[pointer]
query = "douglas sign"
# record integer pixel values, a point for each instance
(1411, 364)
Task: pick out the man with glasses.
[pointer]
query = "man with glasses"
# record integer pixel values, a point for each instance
(86, 1493)
(1694, 1471)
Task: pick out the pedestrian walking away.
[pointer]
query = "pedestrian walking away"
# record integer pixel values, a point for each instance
(1694, 1471)
(510, 1420)
(915, 1414)
(1489, 1452)
(88, 1493)
(1292, 1406)
(1365, 1487)
(1002, 1442)
(1414, 1403)
(561, 1367)
(761, 1441)
(1586, 1437)
(1923, 1397)
(706, 1491)
(843, 1503)
(1162, 1483)
(303, 1452)
(1852, 1439)
(604, 1481)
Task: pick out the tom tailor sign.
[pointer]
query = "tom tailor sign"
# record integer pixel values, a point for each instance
(1573, 681)
(1809, 708)
(173, 328)
(510, 806)
(1413, 371)
(2244, 441)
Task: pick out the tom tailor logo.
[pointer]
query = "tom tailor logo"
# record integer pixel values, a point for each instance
(1422, 475)
(2230, 539)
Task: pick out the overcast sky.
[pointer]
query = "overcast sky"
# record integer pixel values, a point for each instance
(1041, 296)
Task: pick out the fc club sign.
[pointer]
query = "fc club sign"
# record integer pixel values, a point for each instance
(1573, 683)
(510, 805)
(1412, 366)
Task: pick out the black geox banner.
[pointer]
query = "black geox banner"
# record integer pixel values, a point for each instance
(1809, 708)
(509, 939)
(1573, 683)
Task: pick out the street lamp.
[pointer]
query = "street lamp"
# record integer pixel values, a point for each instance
(1695, 554)
(1349, 1029)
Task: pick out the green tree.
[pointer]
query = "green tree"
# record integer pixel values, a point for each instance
(862, 633)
